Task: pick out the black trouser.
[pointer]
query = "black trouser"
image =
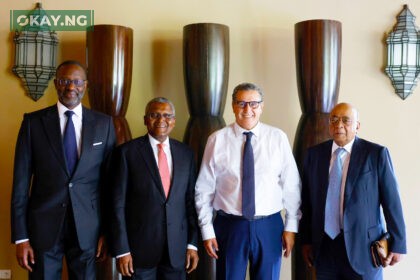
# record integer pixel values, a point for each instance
(80, 263)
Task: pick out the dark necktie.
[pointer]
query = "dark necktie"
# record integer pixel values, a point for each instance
(69, 143)
(248, 179)
(332, 205)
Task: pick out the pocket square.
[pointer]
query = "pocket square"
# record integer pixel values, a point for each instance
(97, 144)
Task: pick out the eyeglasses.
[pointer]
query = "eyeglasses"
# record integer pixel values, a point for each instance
(66, 82)
(345, 120)
(156, 116)
(252, 104)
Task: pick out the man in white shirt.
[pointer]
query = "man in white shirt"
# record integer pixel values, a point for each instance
(248, 227)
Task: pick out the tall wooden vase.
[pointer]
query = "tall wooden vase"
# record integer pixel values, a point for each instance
(110, 62)
(109, 51)
(206, 71)
(318, 67)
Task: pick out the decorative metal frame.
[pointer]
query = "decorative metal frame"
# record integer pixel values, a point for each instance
(35, 56)
(403, 65)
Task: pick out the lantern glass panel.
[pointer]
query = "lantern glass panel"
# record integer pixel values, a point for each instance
(30, 51)
(412, 49)
(404, 60)
(397, 55)
(38, 55)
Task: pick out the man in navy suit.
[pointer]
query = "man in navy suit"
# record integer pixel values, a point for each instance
(154, 223)
(56, 209)
(368, 193)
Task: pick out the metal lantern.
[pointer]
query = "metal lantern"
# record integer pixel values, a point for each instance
(403, 67)
(35, 56)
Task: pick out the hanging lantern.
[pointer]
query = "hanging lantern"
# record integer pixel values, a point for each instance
(35, 56)
(403, 67)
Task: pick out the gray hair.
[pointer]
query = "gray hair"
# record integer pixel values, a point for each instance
(159, 100)
(245, 87)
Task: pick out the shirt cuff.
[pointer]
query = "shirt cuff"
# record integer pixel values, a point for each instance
(21, 241)
(291, 225)
(192, 247)
(207, 232)
(122, 255)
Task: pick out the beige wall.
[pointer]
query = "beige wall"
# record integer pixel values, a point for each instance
(262, 51)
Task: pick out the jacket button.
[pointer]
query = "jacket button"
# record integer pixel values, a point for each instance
(70, 185)
(64, 205)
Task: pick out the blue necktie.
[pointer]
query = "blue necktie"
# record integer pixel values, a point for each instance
(248, 180)
(332, 205)
(69, 143)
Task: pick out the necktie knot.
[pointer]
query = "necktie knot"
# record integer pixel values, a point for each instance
(248, 135)
(69, 113)
(339, 152)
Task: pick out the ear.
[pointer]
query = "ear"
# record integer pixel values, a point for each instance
(86, 85)
(357, 126)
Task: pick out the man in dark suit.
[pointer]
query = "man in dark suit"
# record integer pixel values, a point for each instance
(338, 241)
(55, 204)
(154, 223)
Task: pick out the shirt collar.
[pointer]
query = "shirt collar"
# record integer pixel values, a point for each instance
(239, 130)
(62, 109)
(347, 147)
(154, 142)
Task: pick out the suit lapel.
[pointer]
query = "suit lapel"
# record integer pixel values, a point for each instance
(145, 150)
(88, 133)
(357, 158)
(176, 162)
(51, 122)
(324, 169)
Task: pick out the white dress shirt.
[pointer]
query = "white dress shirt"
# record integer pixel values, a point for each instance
(166, 148)
(77, 121)
(219, 184)
(345, 160)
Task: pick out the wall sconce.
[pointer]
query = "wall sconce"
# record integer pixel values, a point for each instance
(403, 66)
(35, 56)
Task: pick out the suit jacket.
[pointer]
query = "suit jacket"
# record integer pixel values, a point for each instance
(43, 187)
(370, 183)
(143, 220)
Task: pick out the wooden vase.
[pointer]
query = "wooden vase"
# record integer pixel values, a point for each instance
(206, 71)
(109, 54)
(109, 51)
(318, 67)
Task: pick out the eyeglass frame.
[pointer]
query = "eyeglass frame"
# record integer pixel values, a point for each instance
(334, 120)
(243, 104)
(156, 116)
(67, 82)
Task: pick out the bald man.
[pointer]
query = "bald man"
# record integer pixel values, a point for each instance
(367, 183)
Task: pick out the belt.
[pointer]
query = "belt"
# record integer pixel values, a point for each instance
(236, 217)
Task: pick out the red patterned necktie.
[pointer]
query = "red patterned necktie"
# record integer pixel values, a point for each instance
(164, 169)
